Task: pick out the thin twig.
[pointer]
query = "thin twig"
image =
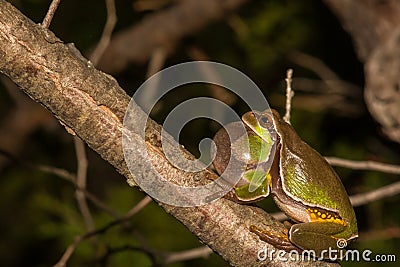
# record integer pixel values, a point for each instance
(156, 61)
(334, 93)
(200, 252)
(364, 165)
(81, 177)
(143, 203)
(289, 95)
(216, 91)
(66, 175)
(72, 178)
(50, 13)
(314, 64)
(68, 252)
(380, 234)
(107, 32)
(71, 248)
(380, 193)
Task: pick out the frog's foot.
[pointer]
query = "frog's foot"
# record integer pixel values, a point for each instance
(278, 240)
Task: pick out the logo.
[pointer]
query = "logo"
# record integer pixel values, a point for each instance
(138, 112)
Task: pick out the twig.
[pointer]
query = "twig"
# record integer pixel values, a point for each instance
(164, 28)
(382, 192)
(143, 203)
(66, 175)
(380, 234)
(157, 60)
(200, 252)
(364, 165)
(72, 178)
(314, 64)
(107, 32)
(334, 93)
(156, 63)
(81, 177)
(71, 248)
(289, 95)
(50, 13)
(215, 91)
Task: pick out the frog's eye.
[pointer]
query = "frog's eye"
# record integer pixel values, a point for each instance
(266, 121)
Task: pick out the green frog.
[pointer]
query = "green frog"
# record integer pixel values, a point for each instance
(303, 184)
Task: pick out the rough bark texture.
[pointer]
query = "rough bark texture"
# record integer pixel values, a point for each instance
(93, 105)
(375, 29)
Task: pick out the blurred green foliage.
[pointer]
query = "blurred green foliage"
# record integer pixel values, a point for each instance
(40, 217)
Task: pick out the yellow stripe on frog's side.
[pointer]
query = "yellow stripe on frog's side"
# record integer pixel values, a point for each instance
(320, 215)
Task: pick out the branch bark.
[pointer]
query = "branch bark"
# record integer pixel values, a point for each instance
(92, 104)
(374, 27)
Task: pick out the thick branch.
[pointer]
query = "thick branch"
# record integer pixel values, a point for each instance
(369, 22)
(374, 27)
(93, 105)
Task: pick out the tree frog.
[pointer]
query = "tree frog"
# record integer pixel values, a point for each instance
(303, 184)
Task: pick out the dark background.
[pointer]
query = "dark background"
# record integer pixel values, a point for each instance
(39, 214)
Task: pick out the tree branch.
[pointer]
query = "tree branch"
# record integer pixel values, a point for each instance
(374, 27)
(93, 105)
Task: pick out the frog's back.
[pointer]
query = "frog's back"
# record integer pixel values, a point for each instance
(308, 176)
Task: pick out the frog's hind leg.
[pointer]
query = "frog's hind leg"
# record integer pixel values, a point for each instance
(278, 240)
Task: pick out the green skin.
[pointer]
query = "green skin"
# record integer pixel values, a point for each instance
(300, 180)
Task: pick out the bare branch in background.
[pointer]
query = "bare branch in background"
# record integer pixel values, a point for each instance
(201, 252)
(382, 91)
(374, 28)
(380, 234)
(107, 32)
(369, 22)
(66, 175)
(215, 91)
(81, 177)
(380, 193)
(21, 121)
(71, 248)
(157, 61)
(330, 93)
(164, 29)
(364, 165)
(314, 64)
